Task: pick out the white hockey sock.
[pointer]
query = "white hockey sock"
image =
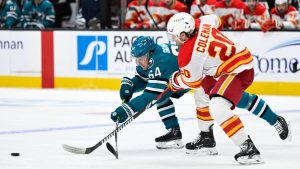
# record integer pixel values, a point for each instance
(230, 123)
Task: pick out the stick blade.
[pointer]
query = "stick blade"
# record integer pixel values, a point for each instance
(74, 150)
(112, 150)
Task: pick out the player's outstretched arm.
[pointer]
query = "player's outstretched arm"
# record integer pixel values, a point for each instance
(139, 103)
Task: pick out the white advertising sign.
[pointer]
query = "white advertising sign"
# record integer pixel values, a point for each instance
(277, 54)
(20, 53)
(107, 53)
(95, 54)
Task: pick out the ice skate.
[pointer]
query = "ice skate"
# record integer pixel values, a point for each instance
(204, 143)
(249, 154)
(283, 128)
(171, 140)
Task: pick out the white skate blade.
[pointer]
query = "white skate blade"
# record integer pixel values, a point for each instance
(204, 150)
(245, 160)
(174, 144)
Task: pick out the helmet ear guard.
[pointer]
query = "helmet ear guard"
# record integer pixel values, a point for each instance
(141, 46)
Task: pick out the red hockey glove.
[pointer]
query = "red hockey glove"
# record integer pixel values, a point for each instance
(241, 24)
(268, 25)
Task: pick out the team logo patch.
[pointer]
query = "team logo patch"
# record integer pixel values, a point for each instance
(92, 52)
(151, 62)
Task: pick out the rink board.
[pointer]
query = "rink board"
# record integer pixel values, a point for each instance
(98, 59)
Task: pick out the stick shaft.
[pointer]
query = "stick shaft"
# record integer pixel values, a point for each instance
(88, 150)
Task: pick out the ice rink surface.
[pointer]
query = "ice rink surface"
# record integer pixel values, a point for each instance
(36, 122)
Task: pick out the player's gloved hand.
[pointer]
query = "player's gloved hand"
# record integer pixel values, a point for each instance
(268, 25)
(271, 25)
(126, 89)
(227, 20)
(122, 113)
(240, 24)
(173, 84)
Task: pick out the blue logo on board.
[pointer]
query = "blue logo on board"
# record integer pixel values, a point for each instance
(92, 52)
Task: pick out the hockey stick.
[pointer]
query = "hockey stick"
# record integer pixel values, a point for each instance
(110, 147)
(131, 8)
(88, 150)
(202, 12)
(147, 10)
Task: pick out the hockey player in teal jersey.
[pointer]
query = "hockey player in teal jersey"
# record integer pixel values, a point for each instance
(155, 64)
(38, 14)
(9, 13)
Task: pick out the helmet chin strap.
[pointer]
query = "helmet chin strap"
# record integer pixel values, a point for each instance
(178, 41)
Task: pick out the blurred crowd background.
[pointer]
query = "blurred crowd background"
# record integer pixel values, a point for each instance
(262, 15)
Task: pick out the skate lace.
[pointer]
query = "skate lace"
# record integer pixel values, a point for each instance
(197, 139)
(169, 131)
(245, 147)
(278, 127)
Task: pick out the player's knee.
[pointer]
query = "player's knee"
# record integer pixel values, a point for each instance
(244, 100)
(247, 100)
(201, 98)
(163, 101)
(219, 108)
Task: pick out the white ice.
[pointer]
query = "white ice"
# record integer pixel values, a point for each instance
(36, 122)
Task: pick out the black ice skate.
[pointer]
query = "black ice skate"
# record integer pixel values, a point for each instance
(249, 154)
(204, 143)
(283, 128)
(171, 140)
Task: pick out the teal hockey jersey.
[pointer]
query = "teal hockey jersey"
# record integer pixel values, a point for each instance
(9, 14)
(38, 16)
(153, 81)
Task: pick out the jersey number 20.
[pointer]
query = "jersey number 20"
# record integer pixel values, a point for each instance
(221, 46)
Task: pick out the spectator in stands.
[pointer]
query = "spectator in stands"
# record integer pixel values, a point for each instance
(284, 16)
(255, 15)
(202, 7)
(38, 14)
(80, 22)
(156, 9)
(229, 11)
(91, 13)
(156, 15)
(271, 4)
(9, 14)
(172, 7)
(295, 3)
(62, 11)
(137, 16)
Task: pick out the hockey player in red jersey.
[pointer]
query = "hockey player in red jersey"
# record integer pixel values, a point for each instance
(202, 7)
(255, 15)
(206, 51)
(283, 16)
(229, 11)
(138, 17)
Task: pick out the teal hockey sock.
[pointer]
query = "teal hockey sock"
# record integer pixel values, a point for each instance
(167, 114)
(258, 107)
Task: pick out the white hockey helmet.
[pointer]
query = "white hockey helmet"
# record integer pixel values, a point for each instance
(178, 23)
(281, 6)
(279, 2)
